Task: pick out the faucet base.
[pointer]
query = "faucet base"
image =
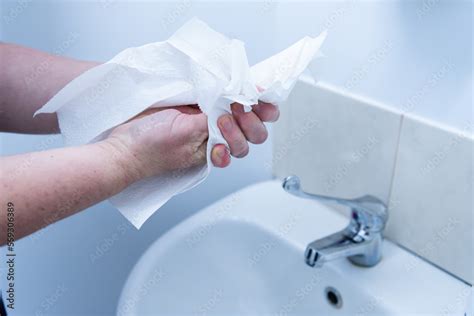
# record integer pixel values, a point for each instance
(371, 257)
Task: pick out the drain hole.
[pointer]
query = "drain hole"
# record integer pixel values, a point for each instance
(333, 297)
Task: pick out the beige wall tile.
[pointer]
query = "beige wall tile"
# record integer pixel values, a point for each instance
(340, 145)
(431, 204)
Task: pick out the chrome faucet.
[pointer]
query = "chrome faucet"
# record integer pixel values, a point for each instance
(360, 241)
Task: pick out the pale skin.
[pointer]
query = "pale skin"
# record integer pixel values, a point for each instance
(49, 185)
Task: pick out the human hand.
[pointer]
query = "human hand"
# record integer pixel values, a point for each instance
(240, 128)
(164, 139)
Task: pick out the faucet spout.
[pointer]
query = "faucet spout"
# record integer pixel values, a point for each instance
(360, 241)
(340, 245)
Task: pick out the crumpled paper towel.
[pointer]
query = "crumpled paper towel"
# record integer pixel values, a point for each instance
(196, 65)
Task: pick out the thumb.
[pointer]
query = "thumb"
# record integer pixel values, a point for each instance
(197, 126)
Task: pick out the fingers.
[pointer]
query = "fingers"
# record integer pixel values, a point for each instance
(250, 124)
(220, 156)
(241, 127)
(237, 128)
(233, 135)
(267, 112)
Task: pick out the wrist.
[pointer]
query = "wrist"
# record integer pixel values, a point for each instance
(121, 158)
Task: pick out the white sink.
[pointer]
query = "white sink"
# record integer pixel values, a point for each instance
(244, 256)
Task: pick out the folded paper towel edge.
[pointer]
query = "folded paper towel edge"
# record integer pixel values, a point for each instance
(138, 218)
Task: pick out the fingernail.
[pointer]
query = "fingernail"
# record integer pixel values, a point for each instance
(227, 124)
(220, 156)
(222, 153)
(238, 108)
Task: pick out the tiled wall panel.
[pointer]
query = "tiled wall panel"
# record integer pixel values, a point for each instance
(346, 146)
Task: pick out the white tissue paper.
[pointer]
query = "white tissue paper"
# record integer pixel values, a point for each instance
(196, 65)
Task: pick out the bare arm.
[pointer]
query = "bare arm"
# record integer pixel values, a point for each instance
(28, 80)
(47, 186)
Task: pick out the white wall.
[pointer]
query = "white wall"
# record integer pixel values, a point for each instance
(412, 55)
(55, 264)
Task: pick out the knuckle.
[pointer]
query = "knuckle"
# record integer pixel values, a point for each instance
(276, 115)
(260, 137)
(268, 113)
(241, 149)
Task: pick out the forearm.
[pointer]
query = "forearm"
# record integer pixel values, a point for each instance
(28, 80)
(50, 185)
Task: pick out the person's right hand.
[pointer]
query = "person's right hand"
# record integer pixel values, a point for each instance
(169, 139)
(164, 139)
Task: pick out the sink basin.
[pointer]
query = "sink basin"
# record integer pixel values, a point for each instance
(243, 255)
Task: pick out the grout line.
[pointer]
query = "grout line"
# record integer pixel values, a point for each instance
(395, 162)
(288, 127)
(370, 103)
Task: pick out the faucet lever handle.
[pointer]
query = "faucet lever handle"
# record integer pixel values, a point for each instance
(366, 210)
